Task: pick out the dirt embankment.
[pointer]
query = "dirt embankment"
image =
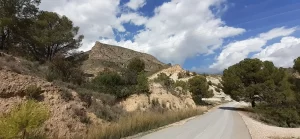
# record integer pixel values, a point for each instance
(65, 115)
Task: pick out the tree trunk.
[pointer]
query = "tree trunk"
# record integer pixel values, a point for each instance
(253, 103)
(24, 134)
(2, 39)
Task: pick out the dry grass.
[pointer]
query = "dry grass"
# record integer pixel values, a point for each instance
(140, 122)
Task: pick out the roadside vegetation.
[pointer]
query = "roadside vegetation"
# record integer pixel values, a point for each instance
(273, 92)
(23, 121)
(141, 122)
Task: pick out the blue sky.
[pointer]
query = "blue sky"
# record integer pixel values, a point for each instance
(201, 35)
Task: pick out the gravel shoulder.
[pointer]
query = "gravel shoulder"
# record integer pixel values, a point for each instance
(260, 130)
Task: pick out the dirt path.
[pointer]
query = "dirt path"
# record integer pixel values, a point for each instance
(222, 123)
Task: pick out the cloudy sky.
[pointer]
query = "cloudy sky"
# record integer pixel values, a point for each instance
(201, 35)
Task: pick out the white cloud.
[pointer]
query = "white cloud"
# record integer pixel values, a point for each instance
(239, 50)
(136, 4)
(96, 18)
(181, 29)
(277, 32)
(133, 18)
(283, 53)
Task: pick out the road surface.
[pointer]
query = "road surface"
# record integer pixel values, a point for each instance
(221, 123)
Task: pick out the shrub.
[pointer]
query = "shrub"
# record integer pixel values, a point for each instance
(136, 65)
(180, 75)
(82, 115)
(129, 77)
(194, 73)
(23, 120)
(165, 80)
(280, 116)
(217, 90)
(188, 73)
(143, 84)
(210, 83)
(199, 87)
(107, 99)
(33, 92)
(182, 84)
(62, 69)
(66, 95)
(106, 112)
(85, 95)
(219, 86)
(108, 79)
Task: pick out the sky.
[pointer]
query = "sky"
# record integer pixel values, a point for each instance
(206, 36)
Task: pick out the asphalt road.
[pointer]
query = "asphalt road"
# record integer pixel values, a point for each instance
(221, 123)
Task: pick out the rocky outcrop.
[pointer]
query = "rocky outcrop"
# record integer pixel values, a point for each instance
(65, 116)
(116, 58)
(159, 97)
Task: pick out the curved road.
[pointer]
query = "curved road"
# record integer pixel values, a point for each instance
(221, 123)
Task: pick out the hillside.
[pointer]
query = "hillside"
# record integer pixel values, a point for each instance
(115, 58)
(214, 79)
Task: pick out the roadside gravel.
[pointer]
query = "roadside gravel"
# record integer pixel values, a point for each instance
(259, 130)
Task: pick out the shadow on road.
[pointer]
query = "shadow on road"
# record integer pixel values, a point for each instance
(234, 109)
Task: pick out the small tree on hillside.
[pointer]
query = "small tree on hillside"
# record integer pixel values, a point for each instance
(136, 65)
(165, 80)
(199, 87)
(23, 120)
(297, 64)
(180, 75)
(142, 83)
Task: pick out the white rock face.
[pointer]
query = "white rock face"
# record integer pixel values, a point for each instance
(161, 97)
(218, 96)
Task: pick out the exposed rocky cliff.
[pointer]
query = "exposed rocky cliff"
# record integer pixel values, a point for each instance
(116, 58)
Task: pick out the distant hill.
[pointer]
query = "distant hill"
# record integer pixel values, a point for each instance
(116, 58)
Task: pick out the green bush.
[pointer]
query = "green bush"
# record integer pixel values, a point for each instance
(199, 87)
(184, 85)
(143, 84)
(188, 73)
(33, 92)
(218, 90)
(23, 120)
(165, 80)
(136, 65)
(194, 73)
(279, 116)
(180, 75)
(107, 82)
(219, 86)
(85, 95)
(210, 83)
(67, 71)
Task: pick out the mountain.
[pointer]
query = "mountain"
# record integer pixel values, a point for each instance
(116, 58)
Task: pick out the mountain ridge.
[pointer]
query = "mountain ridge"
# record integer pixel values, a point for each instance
(116, 58)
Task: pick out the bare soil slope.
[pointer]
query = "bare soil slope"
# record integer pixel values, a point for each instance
(66, 116)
